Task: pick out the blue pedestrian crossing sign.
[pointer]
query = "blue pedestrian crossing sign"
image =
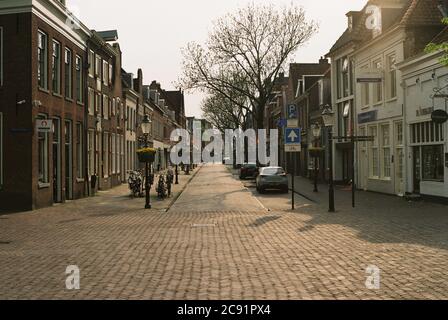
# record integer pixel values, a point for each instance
(293, 136)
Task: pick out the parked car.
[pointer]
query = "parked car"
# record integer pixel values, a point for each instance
(272, 178)
(248, 170)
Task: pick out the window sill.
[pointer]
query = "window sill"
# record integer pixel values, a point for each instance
(392, 100)
(69, 99)
(43, 90)
(365, 107)
(42, 185)
(81, 104)
(378, 104)
(79, 180)
(55, 94)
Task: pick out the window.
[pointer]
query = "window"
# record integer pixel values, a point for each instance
(320, 85)
(79, 151)
(91, 102)
(91, 63)
(114, 153)
(91, 151)
(1, 149)
(433, 167)
(56, 67)
(385, 130)
(121, 162)
(42, 56)
(378, 87)
(1, 56)
(343, 66)
(105, 72)
(43, 154)
(79, 80)
(98, 108)
(374, 158)
(98, 66)
(391, 77)
(105, 107)
(105, 154)
(399, 133)
(365, 93)
(114, 106)
(68, 74)
(111, 71)
(426, 132)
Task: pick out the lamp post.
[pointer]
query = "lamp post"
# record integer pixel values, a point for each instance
(317, 131)
(328, 118)
(146, 129)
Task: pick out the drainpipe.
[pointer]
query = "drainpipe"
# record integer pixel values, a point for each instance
(405, 139)
(86, 122)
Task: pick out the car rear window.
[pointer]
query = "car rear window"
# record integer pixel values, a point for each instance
(272, 171)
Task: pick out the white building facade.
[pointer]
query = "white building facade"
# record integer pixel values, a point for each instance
(425, 83)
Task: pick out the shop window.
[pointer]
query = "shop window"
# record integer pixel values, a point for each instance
(433, 166)
(1, 149)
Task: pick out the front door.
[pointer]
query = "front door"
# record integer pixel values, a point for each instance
(56, 150)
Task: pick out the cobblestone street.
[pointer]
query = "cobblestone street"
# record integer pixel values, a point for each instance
(219, 242)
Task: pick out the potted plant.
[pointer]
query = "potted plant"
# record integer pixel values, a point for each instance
(146, 154)
(315, 151)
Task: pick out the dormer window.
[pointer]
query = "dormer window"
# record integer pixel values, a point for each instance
(350, 23)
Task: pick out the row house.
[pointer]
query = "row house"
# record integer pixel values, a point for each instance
(367, 94)
(304, 77)
(106, 118)
(425, 84)
(167, 114)
(134, 110)
(42, 105)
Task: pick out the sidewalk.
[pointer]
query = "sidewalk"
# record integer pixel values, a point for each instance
(365, 201)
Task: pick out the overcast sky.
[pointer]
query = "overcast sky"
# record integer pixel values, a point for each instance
(152, 33)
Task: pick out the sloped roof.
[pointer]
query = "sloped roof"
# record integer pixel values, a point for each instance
(298, 70)
(410, 13)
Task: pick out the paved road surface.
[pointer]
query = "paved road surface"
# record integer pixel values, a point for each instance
(235, 251)
(215, 189)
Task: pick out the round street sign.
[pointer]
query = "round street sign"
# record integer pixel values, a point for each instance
(439, 116)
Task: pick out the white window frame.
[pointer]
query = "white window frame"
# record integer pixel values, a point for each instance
(91, 151)
(45, 60)
(105, 73)
(113, 152)
(79, 150)
(68, 65)
(98, 66)
(374, 150)
(386, 172)
(91, 63)
(378, 87)
(80, 81)
(91, 101)
(106, 154)
(389, 83)
(57, 67)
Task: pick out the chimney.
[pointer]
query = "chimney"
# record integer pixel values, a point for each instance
(138, 82)
(323, 60)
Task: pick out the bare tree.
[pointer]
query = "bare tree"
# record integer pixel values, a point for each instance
(223, 113)
(245, 53)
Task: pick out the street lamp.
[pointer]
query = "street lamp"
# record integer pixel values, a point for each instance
(317, 131)
(329, 119)
(146, 129)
